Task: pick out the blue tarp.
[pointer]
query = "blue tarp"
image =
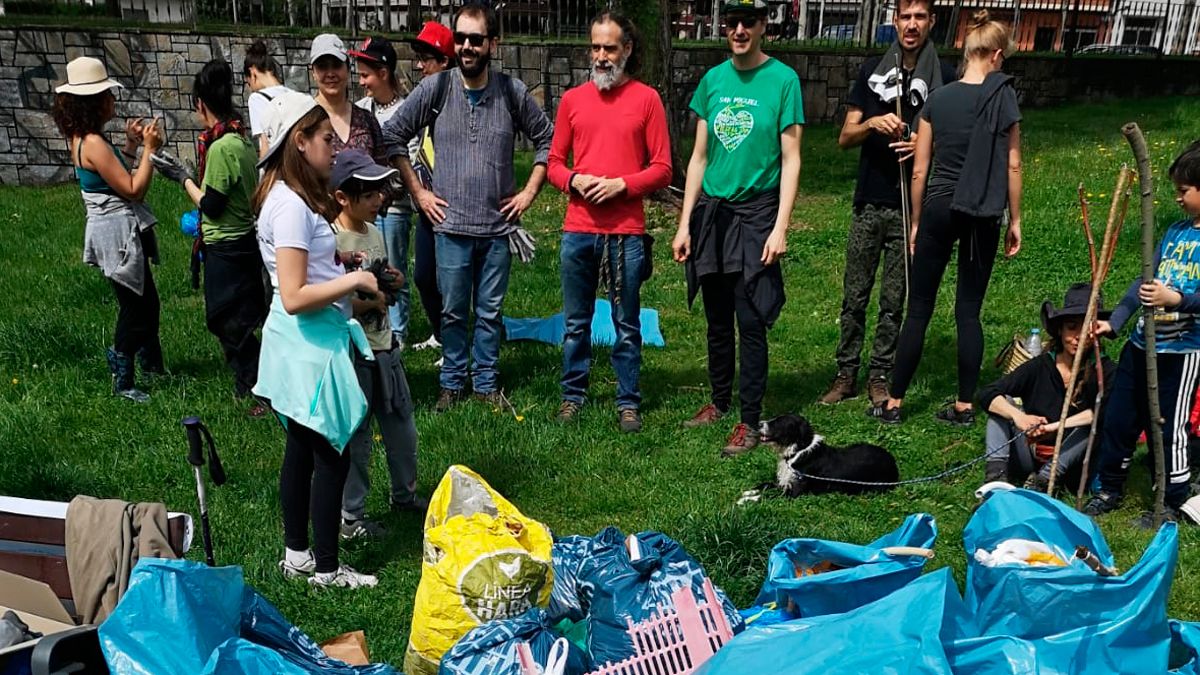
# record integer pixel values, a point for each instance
(551, 329)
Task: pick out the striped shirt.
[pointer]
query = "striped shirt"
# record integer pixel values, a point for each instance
(474, 144)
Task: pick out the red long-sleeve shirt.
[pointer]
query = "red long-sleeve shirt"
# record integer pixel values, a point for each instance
(620, 133)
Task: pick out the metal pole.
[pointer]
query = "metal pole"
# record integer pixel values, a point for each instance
(716, 20)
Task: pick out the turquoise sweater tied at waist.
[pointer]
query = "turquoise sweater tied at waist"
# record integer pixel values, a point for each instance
(306, 370)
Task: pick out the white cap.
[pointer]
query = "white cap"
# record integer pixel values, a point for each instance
(327, 44)
(283, 112)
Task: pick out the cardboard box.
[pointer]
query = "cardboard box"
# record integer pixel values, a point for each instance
(35, 604)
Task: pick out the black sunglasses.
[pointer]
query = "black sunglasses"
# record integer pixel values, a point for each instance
(747, 20)
(476, 39)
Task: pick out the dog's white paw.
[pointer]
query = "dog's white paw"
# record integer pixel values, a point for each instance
(750, 497)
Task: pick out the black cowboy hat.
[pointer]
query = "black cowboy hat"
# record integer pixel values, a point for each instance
(1075, 304)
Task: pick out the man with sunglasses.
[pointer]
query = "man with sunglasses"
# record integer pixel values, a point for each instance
(909, 70)
(615, 129)
(741, 185)
(474, 115)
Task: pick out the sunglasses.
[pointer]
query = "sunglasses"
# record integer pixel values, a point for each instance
(475, 39)
(748, 21)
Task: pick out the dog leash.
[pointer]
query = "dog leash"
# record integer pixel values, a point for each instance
(925, 479)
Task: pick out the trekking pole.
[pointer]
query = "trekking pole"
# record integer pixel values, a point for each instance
(905, 206)
(1137, 143)
(195, 428)
(1115, 213)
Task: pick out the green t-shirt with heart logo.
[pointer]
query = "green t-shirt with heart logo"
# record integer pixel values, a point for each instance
(746, 112)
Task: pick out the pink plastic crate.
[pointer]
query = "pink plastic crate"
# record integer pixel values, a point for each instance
(678, 640)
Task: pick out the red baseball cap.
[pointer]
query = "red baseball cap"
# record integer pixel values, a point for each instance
(434, 36)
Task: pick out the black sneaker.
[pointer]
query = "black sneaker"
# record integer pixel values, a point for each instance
(884, 414)
(1170, 515)
(954, 416)
(418, 505)
(1102, 503)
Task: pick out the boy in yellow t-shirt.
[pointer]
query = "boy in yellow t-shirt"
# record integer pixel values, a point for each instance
(359, 186)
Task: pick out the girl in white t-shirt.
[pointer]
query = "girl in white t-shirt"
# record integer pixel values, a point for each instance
(264, 78)
(306, 368)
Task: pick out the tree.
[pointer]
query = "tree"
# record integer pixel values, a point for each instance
(653, 21)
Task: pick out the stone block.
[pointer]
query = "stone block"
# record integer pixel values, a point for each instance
(5, 143)
(8, 52)
(199, 53)
(171, 63)
(165, 99)
(77, 39)
(168, 82)
(8, 175)
(45, 174)
(74, 52)
(10, 95)
(839, 77)
(559, 66)
(36, 123)
(54, 42)
(163, 41)
(116, 56)
(30, 60)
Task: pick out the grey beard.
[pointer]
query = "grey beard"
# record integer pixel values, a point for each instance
(607, 79)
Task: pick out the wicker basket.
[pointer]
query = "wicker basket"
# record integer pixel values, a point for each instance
(1014, 355)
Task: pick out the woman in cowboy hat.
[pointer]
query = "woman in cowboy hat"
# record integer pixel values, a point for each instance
(1041, 385)
(119, 232)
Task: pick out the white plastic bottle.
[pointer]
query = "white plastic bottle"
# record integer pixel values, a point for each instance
(1033, 343)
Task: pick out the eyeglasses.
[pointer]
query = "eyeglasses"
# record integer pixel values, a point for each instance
(748, 21)
(476, 39)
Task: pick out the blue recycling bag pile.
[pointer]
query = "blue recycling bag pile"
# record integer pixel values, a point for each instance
(824, 607)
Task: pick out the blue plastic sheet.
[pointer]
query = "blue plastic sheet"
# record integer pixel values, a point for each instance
(1077, 621)
(614, 589)
(214, 624)
(491, 649)
(552, 328)
(868, 575)
(1185, 648)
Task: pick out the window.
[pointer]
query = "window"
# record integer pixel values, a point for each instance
(1043, 39)
(1139, 31)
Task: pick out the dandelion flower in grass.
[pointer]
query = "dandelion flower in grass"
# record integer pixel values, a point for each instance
(1103, 195)
(520, 418)
(15, 380)
(378, 438)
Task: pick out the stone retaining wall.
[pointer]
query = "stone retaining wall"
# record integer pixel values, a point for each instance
(157, 70)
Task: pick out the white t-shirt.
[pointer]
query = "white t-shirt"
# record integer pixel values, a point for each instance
(287, 222)
(382, 115)
(257, 103)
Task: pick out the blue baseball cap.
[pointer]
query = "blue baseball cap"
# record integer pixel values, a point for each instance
(353, 163)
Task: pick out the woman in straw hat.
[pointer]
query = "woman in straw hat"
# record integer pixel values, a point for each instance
(119, 233)
(1041, 385)
(306, 368)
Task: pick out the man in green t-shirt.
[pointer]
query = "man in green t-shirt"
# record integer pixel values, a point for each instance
(741, 186)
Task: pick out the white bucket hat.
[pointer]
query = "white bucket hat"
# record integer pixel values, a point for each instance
(86, 76)
(283, 112)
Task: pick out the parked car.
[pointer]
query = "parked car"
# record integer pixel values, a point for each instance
(1123, 50)
(843, 33)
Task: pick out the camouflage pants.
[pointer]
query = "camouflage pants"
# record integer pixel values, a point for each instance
(874, 233)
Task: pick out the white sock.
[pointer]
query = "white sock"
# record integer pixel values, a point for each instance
(297, 558)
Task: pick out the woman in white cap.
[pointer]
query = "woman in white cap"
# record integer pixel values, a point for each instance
(119, 233)
(306, 368)
(353, 127)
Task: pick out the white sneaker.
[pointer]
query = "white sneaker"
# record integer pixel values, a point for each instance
(439, 362)
(295, 565)
(431, 343)
(344, 577)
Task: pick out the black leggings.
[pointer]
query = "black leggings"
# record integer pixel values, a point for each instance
(425, 274)
(310, 483)
(978, 239)
(137, 318)
(726, 306)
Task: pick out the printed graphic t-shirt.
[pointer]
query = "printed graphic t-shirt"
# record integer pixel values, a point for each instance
(746, 112)
(376, 326)
(1178, 266)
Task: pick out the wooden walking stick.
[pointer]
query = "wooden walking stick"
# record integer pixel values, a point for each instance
(1146, 184)
(1123, 180)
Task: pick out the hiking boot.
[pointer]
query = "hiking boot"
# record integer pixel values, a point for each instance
(417, 504)
(1170, 515)
(568, 411)
(742, 440)
(1038, 483)
(302, 566)
(1102, 503)
(629, 420)
(843, 387)
(344, 577)
(705, 416)
(885, 415)
(995, 470)
(447, 399)
(955, 417)
(492, 398)
(361, 529)
(122, 369)
(877, 390)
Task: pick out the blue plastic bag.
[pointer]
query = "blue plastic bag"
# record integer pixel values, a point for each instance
(900, 633)
(1078, 621)
(566, 556)
(868, 575)
(614, 589)
(491, 649)
(1185, 648)
(214, 623)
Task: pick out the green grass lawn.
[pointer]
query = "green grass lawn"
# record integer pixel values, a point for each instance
(62, 434)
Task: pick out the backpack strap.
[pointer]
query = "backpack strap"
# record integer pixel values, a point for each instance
(441, 94)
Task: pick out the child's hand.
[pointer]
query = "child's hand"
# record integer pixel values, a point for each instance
(1157, 294)
(1102, 329)
(397, 277)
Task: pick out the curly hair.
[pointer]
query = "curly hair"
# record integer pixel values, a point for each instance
(78, 116)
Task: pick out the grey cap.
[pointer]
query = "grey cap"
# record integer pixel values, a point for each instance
(327, 44)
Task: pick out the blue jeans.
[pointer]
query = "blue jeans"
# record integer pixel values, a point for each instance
(395, 228)
(580, 261)
(471, 270)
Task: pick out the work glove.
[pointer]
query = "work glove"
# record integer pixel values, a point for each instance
(170, 167)
(521, 244)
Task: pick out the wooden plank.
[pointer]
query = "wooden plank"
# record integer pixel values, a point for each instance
(52, 531)
(49, 569)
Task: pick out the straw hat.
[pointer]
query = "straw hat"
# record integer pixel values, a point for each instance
(283, 112)
(86, 76)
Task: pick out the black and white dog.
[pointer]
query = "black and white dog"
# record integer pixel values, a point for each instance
(802, 451)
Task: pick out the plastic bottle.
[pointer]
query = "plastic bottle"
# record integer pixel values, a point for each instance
(1033, 343)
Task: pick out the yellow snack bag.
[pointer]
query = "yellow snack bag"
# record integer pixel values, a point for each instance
(483, 560)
